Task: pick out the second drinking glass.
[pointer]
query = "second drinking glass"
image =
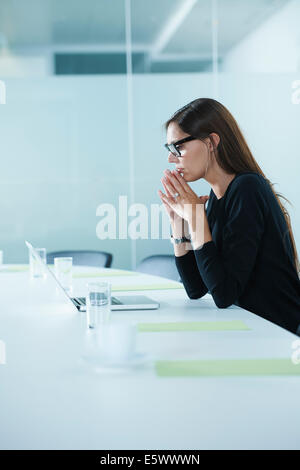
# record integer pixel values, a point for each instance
(63, 272)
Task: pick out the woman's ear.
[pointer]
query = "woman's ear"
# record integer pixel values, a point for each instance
(214, 141)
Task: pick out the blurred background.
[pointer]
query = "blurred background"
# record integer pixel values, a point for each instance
(89, 86)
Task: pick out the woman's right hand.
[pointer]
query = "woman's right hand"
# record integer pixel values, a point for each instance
(178, 224)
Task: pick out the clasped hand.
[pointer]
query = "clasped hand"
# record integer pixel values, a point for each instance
(180, 199)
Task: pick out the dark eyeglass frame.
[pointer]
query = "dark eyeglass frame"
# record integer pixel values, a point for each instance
(173, 147)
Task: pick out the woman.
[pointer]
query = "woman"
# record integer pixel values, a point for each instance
(241, 248)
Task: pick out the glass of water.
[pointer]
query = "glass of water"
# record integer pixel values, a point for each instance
(36, 268)
(63, 272)
(98, 301)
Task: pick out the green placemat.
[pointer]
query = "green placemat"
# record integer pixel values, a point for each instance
(18, 268)
(194, 326)
(104, 274)
(160, 286)
(13, 269)
(222, 367)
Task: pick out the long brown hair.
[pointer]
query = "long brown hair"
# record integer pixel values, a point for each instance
(204, 116)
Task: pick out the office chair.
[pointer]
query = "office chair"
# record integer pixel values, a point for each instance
(99, 259)
(159, 265)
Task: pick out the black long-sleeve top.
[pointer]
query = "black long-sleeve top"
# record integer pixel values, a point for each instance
(249, 262)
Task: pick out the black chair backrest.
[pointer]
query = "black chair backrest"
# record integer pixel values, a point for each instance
(99, 259)
(160, 265)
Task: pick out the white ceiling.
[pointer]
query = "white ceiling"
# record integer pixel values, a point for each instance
(236, 19)
(100, 24)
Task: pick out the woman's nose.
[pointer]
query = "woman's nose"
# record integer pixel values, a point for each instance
(172, 158)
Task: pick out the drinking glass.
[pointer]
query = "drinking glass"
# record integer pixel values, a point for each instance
(63, 271)
(98, 301)
(37, 268)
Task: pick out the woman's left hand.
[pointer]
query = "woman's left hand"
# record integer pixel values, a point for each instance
(184, 200)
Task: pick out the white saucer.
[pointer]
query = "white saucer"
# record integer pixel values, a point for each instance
(102, 362)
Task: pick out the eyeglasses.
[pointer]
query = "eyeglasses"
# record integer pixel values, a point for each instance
(173, 147)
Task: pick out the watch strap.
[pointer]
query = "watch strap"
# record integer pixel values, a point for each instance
(180, 240)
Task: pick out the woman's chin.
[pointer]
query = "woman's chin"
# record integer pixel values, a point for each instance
(192, 177)
(189, 178)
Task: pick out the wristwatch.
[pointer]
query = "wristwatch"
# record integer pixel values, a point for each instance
(176, 241)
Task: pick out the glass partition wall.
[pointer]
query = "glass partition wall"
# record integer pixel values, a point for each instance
(85, 89)
(64, 136)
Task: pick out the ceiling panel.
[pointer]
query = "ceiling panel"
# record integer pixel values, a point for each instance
(148, 18)
(236, 19)
(234, 27)
(48, 22)
(53, 23)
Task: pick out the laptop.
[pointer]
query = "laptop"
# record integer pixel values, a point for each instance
(122, 302)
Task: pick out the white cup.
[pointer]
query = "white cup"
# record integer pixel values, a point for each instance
(117, 341)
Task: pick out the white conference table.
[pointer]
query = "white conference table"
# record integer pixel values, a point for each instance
(51, 400)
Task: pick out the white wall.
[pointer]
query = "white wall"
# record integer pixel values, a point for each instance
(265, 110)
(274, 47)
